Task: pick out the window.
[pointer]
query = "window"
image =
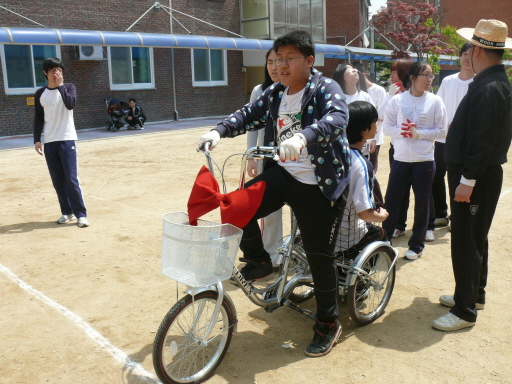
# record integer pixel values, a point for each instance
(23, 67)
(255, 19)
(305, 15)
(209, 67)
(131, 68)
(269, 19)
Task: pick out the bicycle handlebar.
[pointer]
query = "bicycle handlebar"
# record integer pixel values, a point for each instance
(258, 153)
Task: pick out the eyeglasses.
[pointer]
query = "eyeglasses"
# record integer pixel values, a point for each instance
(467, 49)
(288, 60)
(431, 77)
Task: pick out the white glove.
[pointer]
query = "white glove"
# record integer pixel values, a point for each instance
(290, 148)
(409, 130)
(393, 89)
(213, 137)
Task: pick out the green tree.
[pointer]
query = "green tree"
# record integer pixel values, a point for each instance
(414, 27)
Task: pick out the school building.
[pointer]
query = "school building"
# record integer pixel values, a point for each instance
(181, 59)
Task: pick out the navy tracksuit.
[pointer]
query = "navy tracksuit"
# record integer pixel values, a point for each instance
(62, 160)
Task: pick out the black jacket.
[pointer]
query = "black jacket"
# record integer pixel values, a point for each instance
(137, 112)
(481, 130)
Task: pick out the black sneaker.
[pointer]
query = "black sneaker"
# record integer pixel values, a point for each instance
(326, 336)
(256, 270)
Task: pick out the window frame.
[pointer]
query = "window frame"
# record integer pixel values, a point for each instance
(210, 83)
(27, 90)
(127, 87)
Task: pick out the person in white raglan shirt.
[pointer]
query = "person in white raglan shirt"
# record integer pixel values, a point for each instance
(452, 90)
(54, 105)
(414, 120)
(378, 96)
(271, 225)
(348, 79)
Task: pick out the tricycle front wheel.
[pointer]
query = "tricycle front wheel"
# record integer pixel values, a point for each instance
(182, 352)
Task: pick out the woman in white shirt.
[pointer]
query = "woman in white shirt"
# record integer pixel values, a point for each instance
(272, 225)
(348, 78)
(414, 120)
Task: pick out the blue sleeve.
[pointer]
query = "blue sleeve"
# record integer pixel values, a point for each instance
(68, 93)
(38, 115)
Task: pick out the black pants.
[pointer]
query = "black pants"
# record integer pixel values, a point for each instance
(401, 177)
(438, 184)
(377, 193)
(135, 120)
(318, 221)
(401, 222)
(469, 245)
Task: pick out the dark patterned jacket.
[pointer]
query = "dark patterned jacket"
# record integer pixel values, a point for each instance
(324, 118)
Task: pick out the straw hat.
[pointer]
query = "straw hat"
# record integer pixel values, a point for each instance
(488, 34)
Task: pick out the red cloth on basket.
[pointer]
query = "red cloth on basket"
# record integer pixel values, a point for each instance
(236, 208)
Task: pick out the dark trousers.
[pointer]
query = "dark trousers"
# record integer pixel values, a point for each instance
(377, 193)
(135, 120)
(318, 222)
(62, 160)
(469, 245)
(438, 184)
(401, 177)
(401, 222)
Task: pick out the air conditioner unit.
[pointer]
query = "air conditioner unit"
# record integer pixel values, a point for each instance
(90, 52)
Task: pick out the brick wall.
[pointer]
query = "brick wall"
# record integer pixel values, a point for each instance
(91, 78)
(460, 15)
(344, 18)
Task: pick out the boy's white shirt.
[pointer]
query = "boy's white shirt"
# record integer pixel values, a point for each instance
(378, 95)
(58, 120)
(361, 96)
(452, 91)
(289, 123)
(352, 228)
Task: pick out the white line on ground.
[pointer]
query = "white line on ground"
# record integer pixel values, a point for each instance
(103, 342)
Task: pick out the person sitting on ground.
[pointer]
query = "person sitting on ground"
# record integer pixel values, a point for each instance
(357, 230)
(136, 116)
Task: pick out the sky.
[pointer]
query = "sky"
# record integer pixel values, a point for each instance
(376, 4)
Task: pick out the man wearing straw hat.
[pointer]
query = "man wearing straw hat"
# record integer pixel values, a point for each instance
(476, 146)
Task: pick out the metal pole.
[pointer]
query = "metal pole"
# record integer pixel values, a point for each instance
(174, 101)
(144, 14)
(373, 77)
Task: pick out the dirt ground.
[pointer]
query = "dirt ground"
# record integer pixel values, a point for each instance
(83, 305)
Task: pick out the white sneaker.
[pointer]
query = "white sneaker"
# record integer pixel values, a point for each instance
(430, 235)
(411, 255)
(441, 222)
(448, 301)
(398, 233)
(83, 222)
(450, 322)
(66, 219)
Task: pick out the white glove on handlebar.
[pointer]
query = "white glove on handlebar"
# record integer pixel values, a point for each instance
(290, 148)
(213, 137)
